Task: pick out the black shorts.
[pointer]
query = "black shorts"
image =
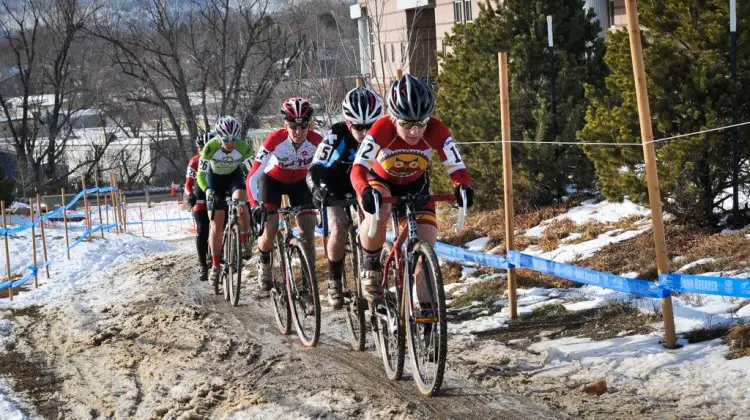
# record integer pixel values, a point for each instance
(222, 185)
(425, 211)
(339, 190)
(271, 190)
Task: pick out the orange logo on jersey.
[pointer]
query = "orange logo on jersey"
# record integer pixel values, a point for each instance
(404, 164)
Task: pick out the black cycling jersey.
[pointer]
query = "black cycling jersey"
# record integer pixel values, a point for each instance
(333, 160)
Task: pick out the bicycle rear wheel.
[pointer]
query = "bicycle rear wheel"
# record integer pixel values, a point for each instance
(278, 294)
(302, 288)
(389, 328)
(426, 325)
(355, 305)
(234, 275)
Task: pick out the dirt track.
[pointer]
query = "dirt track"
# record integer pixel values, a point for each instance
(178, 351)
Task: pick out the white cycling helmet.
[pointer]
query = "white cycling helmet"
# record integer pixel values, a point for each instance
(362, 106)
(227, 127)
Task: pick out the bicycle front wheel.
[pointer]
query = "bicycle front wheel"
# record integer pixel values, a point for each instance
(426, 326)
(234, 274)
(227, 245)
(302, 287)
(278, 294)
(355, 305)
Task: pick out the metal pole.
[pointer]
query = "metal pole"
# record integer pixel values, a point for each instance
(44, 238)
(33, 243)
(507, 177)
(649, 155)
(7, 250)
(553, 74)
(735, 142)
(65, 221)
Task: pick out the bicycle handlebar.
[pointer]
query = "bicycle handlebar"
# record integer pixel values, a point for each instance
(373, 228)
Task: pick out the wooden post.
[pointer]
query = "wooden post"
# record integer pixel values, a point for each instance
(65, 221)
(85, 203)
(114, 203)
(7, 250)
(125, 212)
(507, 178)
(44, 238)
(360, 82)
(140, 210)
(649, 155)
(33, 243)
(399, 74)
(106, 211)
(99, 204)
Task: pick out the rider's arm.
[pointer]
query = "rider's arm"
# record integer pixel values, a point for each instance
(190, 175)
(259, 165)
(325, 155)
(448, 152)
(206, 154)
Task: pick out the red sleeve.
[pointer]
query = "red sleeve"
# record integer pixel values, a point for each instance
(314, 137)
(261, 159)
(381, 133)
(192, 169)
(441, 140)
(358, 178)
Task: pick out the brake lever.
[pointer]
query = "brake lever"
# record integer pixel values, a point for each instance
(462, 212)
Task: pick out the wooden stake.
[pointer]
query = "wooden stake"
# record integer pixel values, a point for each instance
(85, 203)
(106, 210)
(65, 221)
(360, 82)
(125, 212)
(114, 203)
(649, 155)
(44, 238)
(140, 210)
(399, 74)
(33, 243)
(7, 250)
(507, 178)
(98, 204)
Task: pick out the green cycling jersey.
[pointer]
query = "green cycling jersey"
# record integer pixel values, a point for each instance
(222, 162)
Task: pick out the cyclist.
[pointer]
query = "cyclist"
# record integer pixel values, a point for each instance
(197, 200)
(279, 168)
(331, 166)
(393, 161)
(219, 173)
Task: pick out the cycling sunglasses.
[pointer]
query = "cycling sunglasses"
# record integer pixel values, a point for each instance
(411, 124)
(303, 125)
(229, 139)
(360, 127)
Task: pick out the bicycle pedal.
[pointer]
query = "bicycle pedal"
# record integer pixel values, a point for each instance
(426, 320)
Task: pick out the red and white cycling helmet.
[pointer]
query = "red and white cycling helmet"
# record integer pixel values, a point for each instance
(362, 106)
(297, 110)
(227, 127)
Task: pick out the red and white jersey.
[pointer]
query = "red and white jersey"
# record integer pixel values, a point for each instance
(190, 183)
(401, 163)
(281, 160)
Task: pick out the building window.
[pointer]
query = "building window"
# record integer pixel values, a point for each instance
(403, 53)
(445, 49)
(611, 12)
(393, 53)
(385, 53)
(371, 27)
(468, 17)
(457, 11)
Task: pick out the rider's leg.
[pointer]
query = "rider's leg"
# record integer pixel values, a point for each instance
(371, 267)
(244, 216)
(428, 233)
(306, 223)
(339, 227)
(265, 247)
(201, 240)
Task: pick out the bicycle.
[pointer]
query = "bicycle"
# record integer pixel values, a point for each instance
(231, 254)
(399, 317)
(354, 303)
(294, 294)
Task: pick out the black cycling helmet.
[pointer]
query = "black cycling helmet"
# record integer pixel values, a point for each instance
(203, 138)
(410, 99)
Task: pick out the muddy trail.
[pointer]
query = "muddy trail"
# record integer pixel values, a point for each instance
(177, 351)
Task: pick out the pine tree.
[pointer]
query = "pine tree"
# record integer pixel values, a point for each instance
(468, 95)
(686, 53)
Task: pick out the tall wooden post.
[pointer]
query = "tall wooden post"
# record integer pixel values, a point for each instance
(106, 211)
(507, 178)
(65, 222)
(33, 244)
(140, 210)
(98, 204)
(360, 82)
(649, 155)
(7, 249)
(85, 202)
(44, 238)
(124, 213)
(114, 202)
(399, 74)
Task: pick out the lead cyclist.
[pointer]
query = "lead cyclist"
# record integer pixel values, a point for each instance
(219, 172)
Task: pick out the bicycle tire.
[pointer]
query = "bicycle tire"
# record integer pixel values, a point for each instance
(355, 308)
(389, 325)
(279, 300)
(302, 282)
(216, 282)
(234, 276)
(426, 333)
(226, 249)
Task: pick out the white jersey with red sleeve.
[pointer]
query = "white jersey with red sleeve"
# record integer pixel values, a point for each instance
(281, 160)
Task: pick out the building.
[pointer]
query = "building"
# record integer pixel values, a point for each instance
(406, 34)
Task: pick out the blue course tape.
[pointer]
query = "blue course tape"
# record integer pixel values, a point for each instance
(456, 253)
(25, 279)
(635, 287)
(722, 286)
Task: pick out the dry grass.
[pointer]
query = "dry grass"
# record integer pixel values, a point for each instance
(554, 232)
(705, 334)
(738, 340)
(485, 291)
(526, 279)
